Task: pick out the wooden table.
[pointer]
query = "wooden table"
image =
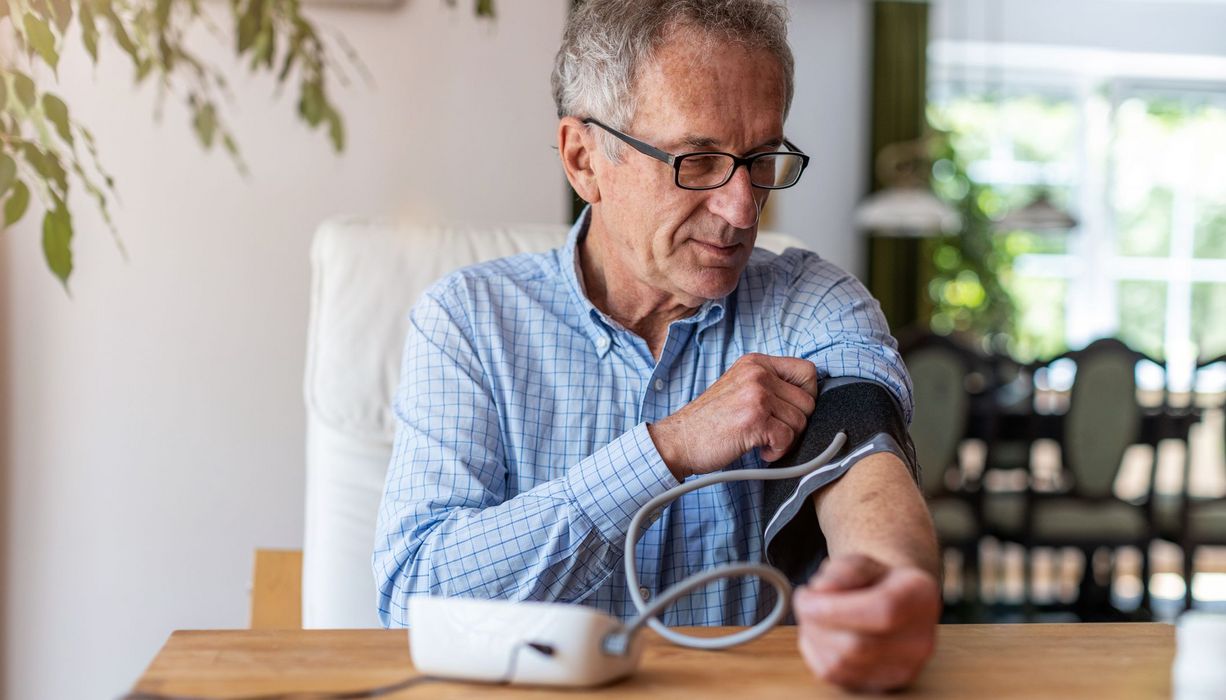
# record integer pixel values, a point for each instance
(1116, 661)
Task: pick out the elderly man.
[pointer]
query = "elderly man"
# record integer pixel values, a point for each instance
(546, 398)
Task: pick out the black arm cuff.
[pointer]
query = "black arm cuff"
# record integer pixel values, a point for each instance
(870, 416)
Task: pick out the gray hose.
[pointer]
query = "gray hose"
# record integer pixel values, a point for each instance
(619, 642)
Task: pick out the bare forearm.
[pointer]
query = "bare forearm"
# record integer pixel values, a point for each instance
(875, 509)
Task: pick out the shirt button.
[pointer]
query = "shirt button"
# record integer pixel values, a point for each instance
(602, 342)
(659, 385)
(645, 592)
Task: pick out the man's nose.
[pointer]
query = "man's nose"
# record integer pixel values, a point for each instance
(736, 201)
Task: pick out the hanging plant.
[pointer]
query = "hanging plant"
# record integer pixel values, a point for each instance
(968, 288)
(45, 151)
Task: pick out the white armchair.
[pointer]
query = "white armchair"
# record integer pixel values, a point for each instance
(366, 275)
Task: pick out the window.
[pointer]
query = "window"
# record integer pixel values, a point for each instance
(1140, 162)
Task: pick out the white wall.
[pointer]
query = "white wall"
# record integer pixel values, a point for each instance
(151, 426)
(830, 121)
(155, 418)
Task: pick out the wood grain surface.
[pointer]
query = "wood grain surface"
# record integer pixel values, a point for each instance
(1115, 661)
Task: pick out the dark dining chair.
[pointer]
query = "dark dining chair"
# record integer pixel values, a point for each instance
(1202, 520)
(939, 370)
(1102, 421)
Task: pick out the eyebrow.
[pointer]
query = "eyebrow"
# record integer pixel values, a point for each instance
(707, 142)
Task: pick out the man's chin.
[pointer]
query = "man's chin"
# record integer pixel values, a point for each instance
(715, 283)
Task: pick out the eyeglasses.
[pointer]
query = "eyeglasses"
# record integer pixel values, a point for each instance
(707, 170)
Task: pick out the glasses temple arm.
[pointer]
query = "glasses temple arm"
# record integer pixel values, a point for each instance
(640, 146)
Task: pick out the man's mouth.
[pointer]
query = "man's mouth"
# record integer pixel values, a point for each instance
(717, 248)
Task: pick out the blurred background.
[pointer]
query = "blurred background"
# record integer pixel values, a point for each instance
(1014, 180)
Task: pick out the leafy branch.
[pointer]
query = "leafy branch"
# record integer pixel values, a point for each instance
(44, 150)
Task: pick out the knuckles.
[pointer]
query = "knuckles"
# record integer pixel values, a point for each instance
(863, 665)
(893, 614)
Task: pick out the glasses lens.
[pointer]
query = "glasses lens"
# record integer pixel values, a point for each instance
(776, 170)
(704, 170)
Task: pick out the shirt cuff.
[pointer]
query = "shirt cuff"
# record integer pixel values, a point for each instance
(611, 485)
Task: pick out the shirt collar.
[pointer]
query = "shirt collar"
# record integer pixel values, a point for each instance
(596, 324)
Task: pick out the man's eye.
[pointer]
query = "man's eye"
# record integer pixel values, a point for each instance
(765, 164)
(697, 165)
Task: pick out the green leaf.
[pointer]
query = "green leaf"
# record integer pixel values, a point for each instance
(262, 50)
(17, 203)
(336, 130)
(24, 87)
(247, 28)
(8, 173)
(291, 55)
(119, 30)
(89, 30)
(39, 7)
(47, 165)
(143, 68)
(249, 25)
(205, 123)
(485, 8)
(57, 241)
(62, 11)
(167, 54)
(41, 39)
(161, 14)
(57, 112)
(311, 104)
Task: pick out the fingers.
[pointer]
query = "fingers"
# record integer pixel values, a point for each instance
(781, 409)
(861, 662)
(867, 637)
(779, 438)
(863, 610)
(761, 402)
(795, 371)
(792, 394)
(847, 572)
(892, 603)
(788, 413)
(787, 408)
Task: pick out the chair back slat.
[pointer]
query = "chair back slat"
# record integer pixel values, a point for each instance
(938, 375)
(1103, 418)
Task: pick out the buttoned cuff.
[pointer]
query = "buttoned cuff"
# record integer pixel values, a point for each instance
(611, 485)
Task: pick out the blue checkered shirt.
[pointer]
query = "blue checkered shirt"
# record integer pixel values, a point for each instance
(522, 451)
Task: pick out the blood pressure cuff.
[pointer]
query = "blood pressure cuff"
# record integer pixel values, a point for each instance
(873, 421)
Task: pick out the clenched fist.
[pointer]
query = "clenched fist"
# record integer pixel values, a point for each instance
(864, 625)
(761, 401)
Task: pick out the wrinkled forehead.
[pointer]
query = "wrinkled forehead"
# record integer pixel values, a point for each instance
(699, 90)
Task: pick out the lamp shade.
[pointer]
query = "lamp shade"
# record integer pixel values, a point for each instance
(1041, 214)
(908, 211)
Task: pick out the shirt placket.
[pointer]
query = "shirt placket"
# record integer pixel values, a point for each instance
(657, 403)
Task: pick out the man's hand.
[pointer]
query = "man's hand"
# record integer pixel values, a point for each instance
(866, 626)
(761, 401)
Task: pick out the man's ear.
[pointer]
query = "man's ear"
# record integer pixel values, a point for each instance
(576, 146)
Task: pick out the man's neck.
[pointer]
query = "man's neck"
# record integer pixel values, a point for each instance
(612, 289)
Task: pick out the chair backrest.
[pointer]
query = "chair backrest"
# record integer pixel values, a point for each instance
(366, 275)
(1210, 396)
(1103, 418)
(938, 374)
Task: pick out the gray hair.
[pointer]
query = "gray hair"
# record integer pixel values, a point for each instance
(606, 42)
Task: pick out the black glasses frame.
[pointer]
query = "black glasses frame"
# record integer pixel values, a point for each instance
(675, 160)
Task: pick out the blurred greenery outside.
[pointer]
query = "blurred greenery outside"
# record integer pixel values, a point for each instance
(1163, 162)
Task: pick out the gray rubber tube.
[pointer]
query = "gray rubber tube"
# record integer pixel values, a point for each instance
(619, 642)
